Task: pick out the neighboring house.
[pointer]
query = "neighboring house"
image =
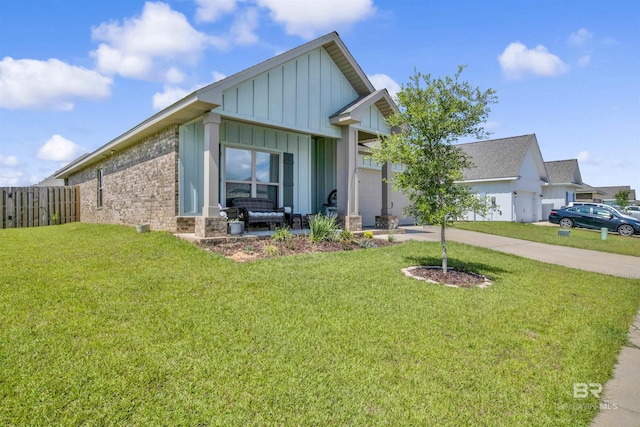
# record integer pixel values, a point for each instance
(564, 180)
(587, 193)
(609, 193)
(50, 181)
(291, 129)
(509, 174)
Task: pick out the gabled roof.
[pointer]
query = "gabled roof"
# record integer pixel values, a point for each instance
(586, 188)
(50, 181)
(610, 192)
(209, 97)
(352, 113)
(565, 172)
(501, 159)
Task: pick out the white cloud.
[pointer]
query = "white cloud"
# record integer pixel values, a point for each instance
(141, 44)
(584, 157)
(380, 81)
(174, 75)
(620, 163)
(609, 41)
(211, 10)
(579, 37)
(584, 61)
(170, 95)
(308, 18)
(59, 149)
(518, 61)
(9, 160)
(244, 26)
(13, 178)
(52, 84)
(217, 76)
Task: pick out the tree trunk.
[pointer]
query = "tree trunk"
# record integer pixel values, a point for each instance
(443, 240)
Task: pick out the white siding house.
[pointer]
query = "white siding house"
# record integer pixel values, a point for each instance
(288, 129)
(509, 175)
(564, 181)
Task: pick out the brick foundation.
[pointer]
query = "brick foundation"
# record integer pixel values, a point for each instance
(386, 222)
(210, 226)
(185, 224)
(353, 223)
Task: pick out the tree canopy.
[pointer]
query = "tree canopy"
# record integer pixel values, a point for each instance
(622, 198)
(434, 113)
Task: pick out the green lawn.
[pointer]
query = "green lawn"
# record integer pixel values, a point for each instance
(579, 238)
(100, 325)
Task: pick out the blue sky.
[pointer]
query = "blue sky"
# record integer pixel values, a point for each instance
(74, 74)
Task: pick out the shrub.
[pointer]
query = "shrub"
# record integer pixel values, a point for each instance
(271, 250)
(367, 244)
(368, 234)
(346, 236)
(390, 236)
(323, 228)
(284, 234)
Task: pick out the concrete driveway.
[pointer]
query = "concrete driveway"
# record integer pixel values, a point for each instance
(597, 262)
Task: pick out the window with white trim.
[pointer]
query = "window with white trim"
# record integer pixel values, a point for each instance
(99, 178)
(251, 173)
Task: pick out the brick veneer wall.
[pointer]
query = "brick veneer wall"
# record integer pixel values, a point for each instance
(140, 184)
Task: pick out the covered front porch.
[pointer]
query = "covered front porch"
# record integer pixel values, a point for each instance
(253, 235)
(222, 161)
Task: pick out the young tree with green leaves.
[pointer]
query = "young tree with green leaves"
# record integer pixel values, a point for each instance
(433, 114)
(622, 199)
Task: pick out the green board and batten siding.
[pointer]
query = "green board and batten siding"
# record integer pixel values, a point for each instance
(300, 94)
(299, 145)
(241, 134)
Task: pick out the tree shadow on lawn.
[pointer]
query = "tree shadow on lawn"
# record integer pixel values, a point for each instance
(470, 267)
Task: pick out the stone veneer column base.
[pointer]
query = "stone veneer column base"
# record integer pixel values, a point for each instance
(185, 224)
(353, 223)
(386, 222)
(210, 226)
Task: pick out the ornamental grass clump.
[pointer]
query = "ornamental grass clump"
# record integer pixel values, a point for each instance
(367, 244)
(323, 228)
(271, 250)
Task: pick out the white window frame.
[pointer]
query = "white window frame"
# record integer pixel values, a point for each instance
(100, 187)
(254, 180)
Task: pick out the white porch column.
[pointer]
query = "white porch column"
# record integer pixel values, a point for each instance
(386, 189)
(347, 179)
(386, 219)
(210, 223)
(211, 165)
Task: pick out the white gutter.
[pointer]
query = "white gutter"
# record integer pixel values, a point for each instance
(473, 181)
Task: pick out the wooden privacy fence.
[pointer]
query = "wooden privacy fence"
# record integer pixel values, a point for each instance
(37, 206)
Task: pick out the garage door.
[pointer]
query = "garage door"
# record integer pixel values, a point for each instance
(526, 207)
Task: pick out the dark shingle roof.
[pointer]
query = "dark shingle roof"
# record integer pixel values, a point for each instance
(497, 158)
(563, 172)
(610, 192)
(586, 188)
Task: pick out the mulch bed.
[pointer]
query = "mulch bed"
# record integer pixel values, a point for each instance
(453, 278)
(268, 248)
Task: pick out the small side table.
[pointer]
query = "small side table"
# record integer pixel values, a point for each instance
(294, 220)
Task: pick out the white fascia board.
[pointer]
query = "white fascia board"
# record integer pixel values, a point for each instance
(154, 123)
(474, 181)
